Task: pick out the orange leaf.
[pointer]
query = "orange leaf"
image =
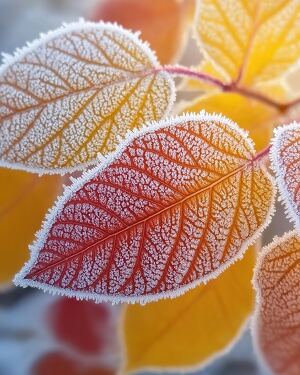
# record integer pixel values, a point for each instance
(70, 96)
(241, 38)
(24, 200)
(286, 164)
(205, 321)
(175, 206)
(163, 23)
(277, 319)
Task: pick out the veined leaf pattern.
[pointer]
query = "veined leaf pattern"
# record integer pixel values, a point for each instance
(173, 208)
(277, 319)
(285, 155)
(250, 40)
(74, 93)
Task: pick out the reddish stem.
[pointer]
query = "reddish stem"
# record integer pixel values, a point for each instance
(262, 154)
(227, 87)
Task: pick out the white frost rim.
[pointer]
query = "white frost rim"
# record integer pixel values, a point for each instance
(8, 60)
(278, 168)
(41, 235)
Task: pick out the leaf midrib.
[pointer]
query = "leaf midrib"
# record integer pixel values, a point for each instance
(135, 76)
(67, 258)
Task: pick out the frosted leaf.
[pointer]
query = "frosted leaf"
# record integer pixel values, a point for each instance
(285, 155)
(277, 319)
(73, 94)
(173, 208)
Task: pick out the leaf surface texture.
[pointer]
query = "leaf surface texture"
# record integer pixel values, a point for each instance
(250, 40)
(285, 155)
(176, 205)
(277, 323)
(74, 93)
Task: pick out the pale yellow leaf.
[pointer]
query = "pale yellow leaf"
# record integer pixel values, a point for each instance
(74, 93)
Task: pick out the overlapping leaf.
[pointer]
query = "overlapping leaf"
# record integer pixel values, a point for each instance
(204, 321)
(250, 40)
(277, 323)
(24, 200)
(174, 208)
(285, 157)
(164, 23)
(71, 95)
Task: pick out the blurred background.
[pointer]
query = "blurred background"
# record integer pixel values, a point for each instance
(42, 334)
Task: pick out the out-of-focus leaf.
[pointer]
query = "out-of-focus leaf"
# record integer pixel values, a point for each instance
(24, 201)
(277, 319)
(163, 23)
(82, 325)
(74, 93)
(285, 155)
(56, 363)
(192, 329)
(42, 335)
(244, 39)
(178, 204)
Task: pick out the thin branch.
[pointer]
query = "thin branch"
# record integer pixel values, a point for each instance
(227, 87)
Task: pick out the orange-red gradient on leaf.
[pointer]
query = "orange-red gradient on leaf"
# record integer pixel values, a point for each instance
(277, 323)
(176, 206)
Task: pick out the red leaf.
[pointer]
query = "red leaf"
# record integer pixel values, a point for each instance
(172, 209)
(56, 363)
(59, 363)
(82, 325)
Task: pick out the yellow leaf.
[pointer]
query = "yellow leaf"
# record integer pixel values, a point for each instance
(192, 329)
(250, 40)
(24, 200)
(74, 93)
(277, 319)
(250, 114)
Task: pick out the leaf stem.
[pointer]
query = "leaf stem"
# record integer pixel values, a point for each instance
(262, 154)
(227, 87)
